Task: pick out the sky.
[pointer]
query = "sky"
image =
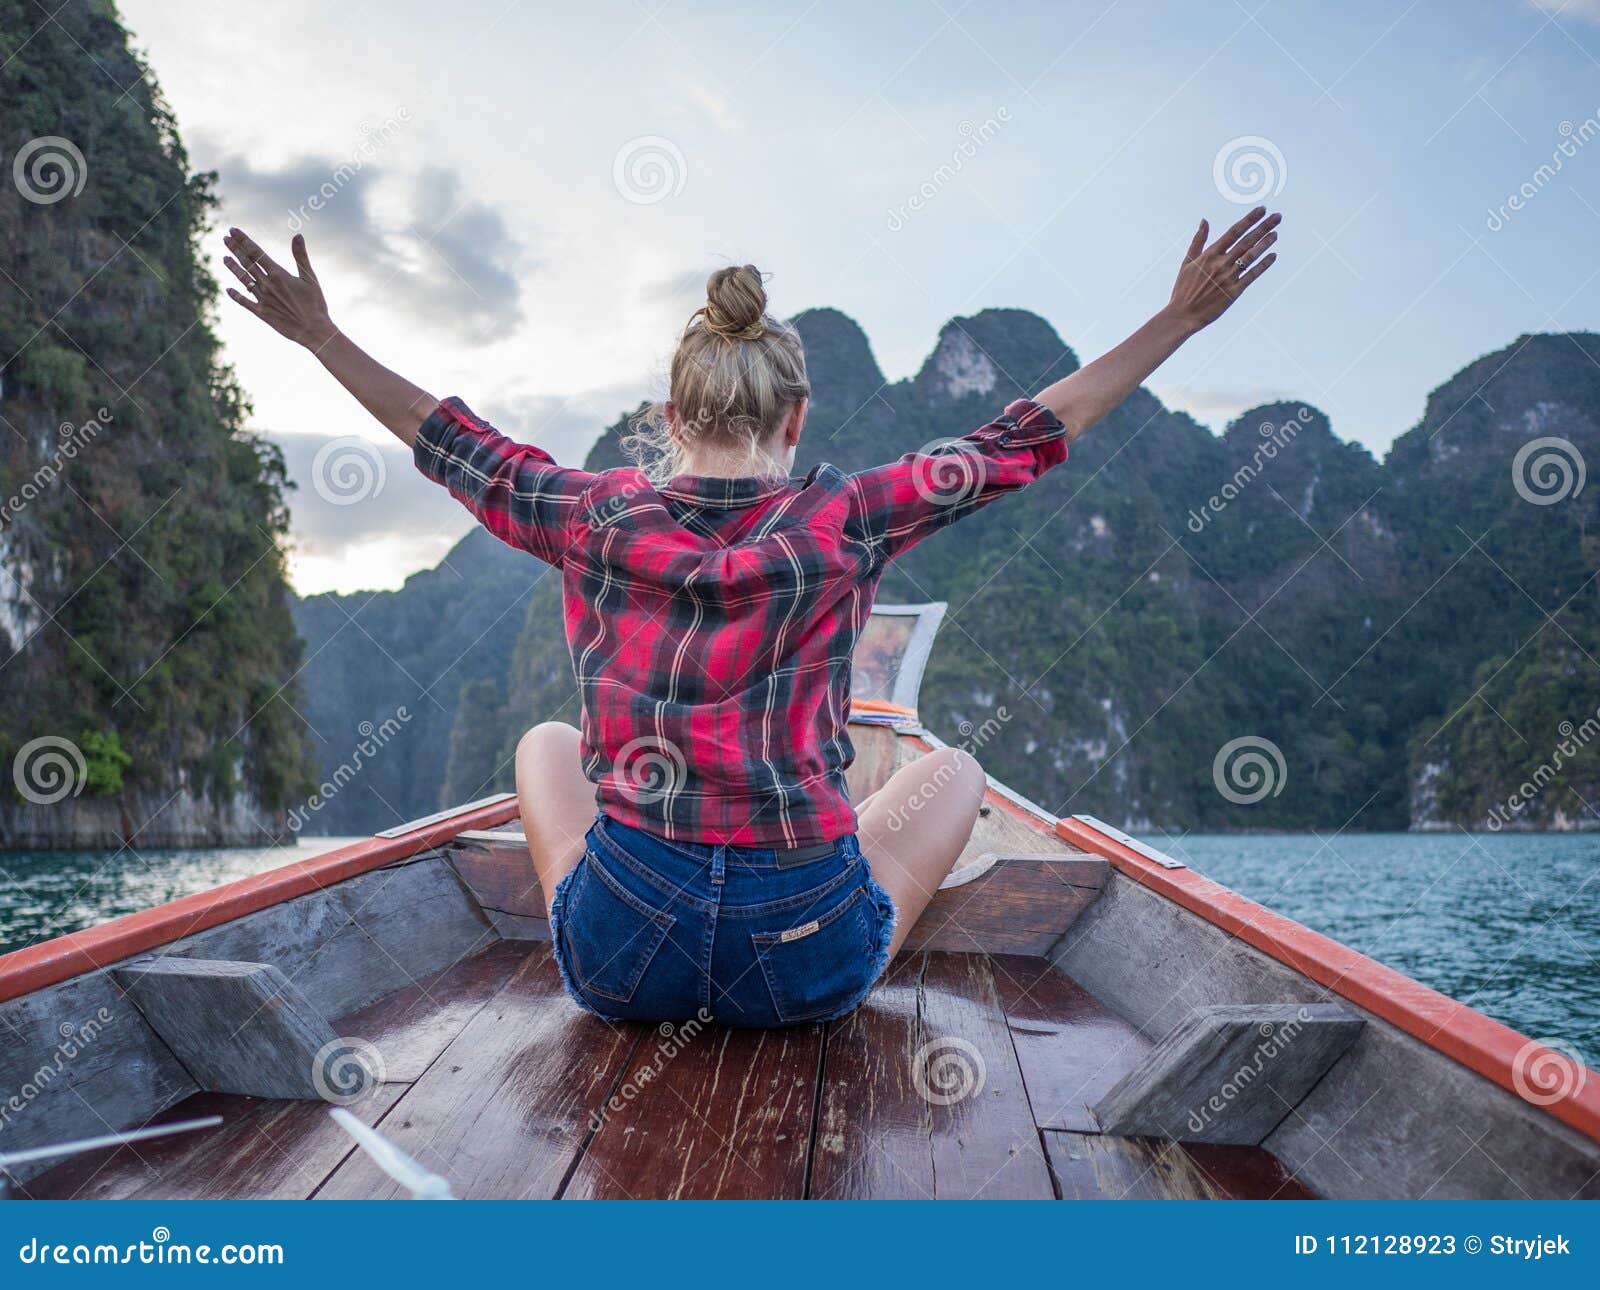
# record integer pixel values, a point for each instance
(518, 202)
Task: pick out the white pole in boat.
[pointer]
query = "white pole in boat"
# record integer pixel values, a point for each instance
(10, 1159)
(402, 1168)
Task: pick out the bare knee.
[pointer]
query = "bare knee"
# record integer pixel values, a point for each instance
(548, 738)
(957, 770)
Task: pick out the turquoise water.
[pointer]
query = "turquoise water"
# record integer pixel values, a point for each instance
(51, 893)
(1507, 923)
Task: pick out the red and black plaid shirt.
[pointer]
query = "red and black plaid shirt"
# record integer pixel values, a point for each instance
(712, 621)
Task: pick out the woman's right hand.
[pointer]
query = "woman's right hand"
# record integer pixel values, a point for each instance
(291, 304)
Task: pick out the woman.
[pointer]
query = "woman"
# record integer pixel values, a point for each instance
(712, 604)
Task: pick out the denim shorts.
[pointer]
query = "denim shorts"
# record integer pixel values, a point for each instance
(650, 930)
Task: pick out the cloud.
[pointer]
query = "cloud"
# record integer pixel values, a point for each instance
(469, 266)
(443, 258)
(713, 104)
(1586, 9)
(364, 518)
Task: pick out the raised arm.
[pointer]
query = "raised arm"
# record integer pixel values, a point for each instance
(1210, 279)
(293, 306)
(897, 505)
(516, 490)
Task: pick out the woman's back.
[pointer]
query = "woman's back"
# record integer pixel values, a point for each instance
(712, 620)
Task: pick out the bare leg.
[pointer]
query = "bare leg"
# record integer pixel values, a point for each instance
(913, 829)
(556, 801)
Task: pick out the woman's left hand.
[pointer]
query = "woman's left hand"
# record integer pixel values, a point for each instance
(1213, 277)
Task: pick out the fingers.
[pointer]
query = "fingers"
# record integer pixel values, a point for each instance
(1222, 245)
(1257, 249)
(239, 271)
(1256, 272)
(242, 245)
(1196, 243)
(246, 302)
(297, 247)
(1251, 241)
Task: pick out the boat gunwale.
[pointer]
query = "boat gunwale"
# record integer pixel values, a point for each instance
(47, 963)
(1483, 1045)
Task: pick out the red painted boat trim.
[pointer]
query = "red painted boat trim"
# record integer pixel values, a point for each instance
(51, 962)
(1480, 1043)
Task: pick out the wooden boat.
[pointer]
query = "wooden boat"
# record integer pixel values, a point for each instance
(1077, 1015)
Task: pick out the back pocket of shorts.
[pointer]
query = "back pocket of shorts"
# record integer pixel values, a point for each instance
(610, 934)
(817, 965)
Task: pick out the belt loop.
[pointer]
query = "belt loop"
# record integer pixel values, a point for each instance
(719, 864)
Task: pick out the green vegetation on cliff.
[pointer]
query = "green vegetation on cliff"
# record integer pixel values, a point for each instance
(143, 607)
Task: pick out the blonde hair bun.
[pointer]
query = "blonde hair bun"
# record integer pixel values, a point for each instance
(736, 304)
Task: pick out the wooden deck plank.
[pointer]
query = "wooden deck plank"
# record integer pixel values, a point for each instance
(985, 1142)
(506, 1107)
(1091, 1166)
(263, 1150)
(873, 1129)
(1071, 1047)
(707, 1113)
(412, 1026)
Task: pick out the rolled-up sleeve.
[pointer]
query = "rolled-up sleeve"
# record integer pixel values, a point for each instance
(899, 504)
(516, 490)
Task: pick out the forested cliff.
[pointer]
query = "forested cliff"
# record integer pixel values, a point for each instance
(1266, 628)
(147, 654)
